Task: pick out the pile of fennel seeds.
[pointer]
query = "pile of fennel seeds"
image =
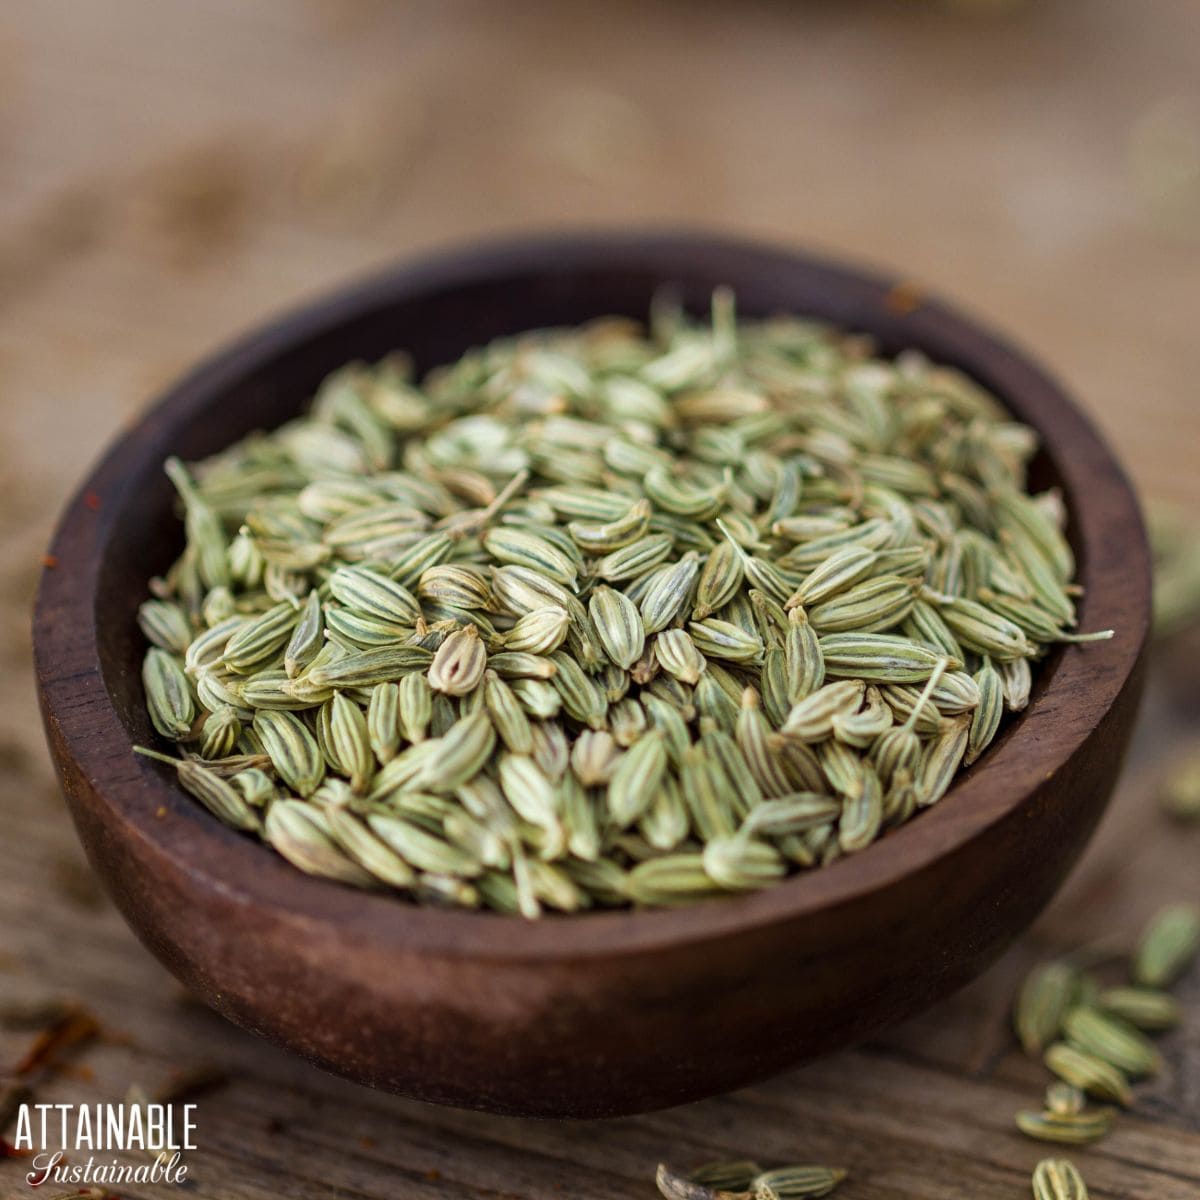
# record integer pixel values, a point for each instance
(605, 616)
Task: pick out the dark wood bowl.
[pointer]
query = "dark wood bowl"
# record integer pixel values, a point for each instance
(604, 1013)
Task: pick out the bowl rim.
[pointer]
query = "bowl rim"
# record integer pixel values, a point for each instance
(1114, 568)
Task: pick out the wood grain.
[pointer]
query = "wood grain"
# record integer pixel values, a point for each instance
(170, 173)
(924, 1111)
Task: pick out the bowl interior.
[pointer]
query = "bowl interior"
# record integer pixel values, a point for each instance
(436, 311)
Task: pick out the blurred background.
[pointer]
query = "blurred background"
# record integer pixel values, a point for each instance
(171, 172)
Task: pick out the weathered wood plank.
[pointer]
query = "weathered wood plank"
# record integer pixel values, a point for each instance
(924, 1111)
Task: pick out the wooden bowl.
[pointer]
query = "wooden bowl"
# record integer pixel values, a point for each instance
(604, 1013)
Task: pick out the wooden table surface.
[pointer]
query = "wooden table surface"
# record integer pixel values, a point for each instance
(170, 172)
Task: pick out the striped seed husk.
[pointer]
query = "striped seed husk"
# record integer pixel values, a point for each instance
(1143, 1008)
(1112, 1039)
(169, 697)
(1088, 1073)
(301, 833)
(1045, 997)
(1058, 1179)
(1068, 1129)
(1168, 945)
(793, 1183)
(587, 601)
